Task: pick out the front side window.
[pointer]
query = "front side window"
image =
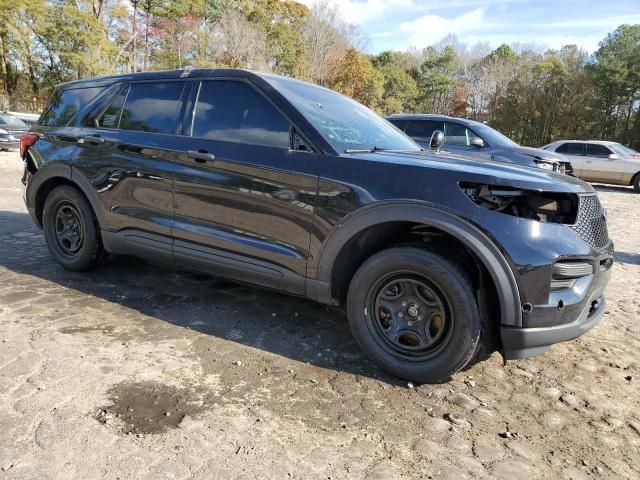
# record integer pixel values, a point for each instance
(233, 111)
(423, 129)
(65, 104)
(145, 107)
(595, 150)
(459, 135)
(344, 123)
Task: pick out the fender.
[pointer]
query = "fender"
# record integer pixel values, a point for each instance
(426, 214)
(53, 170)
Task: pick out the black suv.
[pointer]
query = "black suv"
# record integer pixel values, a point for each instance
(476, 139)
(276, 182)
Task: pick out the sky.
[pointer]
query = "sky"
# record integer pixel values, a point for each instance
(400, 24)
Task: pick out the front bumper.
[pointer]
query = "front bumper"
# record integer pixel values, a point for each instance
(529, 342)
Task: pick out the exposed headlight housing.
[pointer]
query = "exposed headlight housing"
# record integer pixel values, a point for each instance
(553, 166)
(552, 207)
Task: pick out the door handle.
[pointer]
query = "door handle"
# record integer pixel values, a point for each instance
(201, 156)
(93, 139)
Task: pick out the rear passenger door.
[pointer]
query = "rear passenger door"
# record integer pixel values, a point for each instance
(128, 153)
(244, 197)
(422, 130)
(575, 152)
(599, 167)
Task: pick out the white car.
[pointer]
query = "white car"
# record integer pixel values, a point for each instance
(600, 161)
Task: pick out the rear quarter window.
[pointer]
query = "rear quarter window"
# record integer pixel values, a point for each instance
(65, 104)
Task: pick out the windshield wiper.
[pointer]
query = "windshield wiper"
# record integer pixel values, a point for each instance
(364, 150)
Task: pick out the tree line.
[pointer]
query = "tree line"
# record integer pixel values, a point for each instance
(530, 94)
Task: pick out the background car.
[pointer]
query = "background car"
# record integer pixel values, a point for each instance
(11, 130)
(599, 161)
(476, 139)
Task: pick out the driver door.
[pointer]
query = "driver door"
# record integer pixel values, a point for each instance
(458, 139)
(598, 167)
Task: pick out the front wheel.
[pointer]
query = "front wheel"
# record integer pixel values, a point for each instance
(636, 183)
(414, 313)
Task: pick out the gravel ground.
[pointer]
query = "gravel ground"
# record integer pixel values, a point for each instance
(132, 371)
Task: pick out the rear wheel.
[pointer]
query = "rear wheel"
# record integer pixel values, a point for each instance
(414, 313)
(71, 229)
(636, 183)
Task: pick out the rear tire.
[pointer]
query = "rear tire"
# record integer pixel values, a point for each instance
(414, 314)
(636, 183)
(71, 229)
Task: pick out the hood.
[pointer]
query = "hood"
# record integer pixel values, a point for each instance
(538, 154)
(471, 169)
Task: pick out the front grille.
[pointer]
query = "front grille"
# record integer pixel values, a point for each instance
(591, 224)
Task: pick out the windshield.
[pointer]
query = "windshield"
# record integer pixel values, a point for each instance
(12, 121)
(493, 137)
(344, 123)
(622, 150)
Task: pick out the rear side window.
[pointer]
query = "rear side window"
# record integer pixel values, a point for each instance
(595, 150)
(571, 149)
(423, 129)
(145, 107)
(233, 111)
(65, 104)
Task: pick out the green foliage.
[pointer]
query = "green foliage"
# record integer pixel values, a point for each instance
(533, 97)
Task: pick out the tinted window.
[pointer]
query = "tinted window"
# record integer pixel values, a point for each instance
(595, 150)
(343, 123)
(423, 129)
(458, 134)
(64, 105)
(401, 124)
(111, 116)
(233, 111)
(149, 107)
(571, 149)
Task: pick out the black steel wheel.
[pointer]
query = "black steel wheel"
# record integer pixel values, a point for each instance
(71, 229)
(410, 316)
(414, 313)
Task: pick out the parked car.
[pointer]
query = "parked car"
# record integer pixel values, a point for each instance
(280, 183)
(598, 161)
(11, 130)
(476, 139)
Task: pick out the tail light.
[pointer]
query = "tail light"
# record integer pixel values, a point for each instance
(26, 141)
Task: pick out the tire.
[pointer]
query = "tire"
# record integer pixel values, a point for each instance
(71, 229)
(399, 339)
(636, 183)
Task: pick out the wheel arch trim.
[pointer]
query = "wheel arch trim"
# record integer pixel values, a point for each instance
(426, 214)
(64, 171)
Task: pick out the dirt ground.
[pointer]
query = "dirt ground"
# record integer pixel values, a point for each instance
(132, 371)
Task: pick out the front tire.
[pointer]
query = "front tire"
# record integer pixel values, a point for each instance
(71, 229)
(636, 183)
(414, 313)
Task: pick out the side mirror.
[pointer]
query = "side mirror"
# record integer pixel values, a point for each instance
(437, 140)
(477, 142)
(613, 156)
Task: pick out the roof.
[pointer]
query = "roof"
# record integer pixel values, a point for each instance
(430, 116)
(160, 75)
(597, 142)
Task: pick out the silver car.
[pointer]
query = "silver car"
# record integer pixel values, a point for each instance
(599, 161)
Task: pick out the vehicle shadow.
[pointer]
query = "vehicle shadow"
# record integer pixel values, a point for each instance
(281, 324)
(629, 258)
